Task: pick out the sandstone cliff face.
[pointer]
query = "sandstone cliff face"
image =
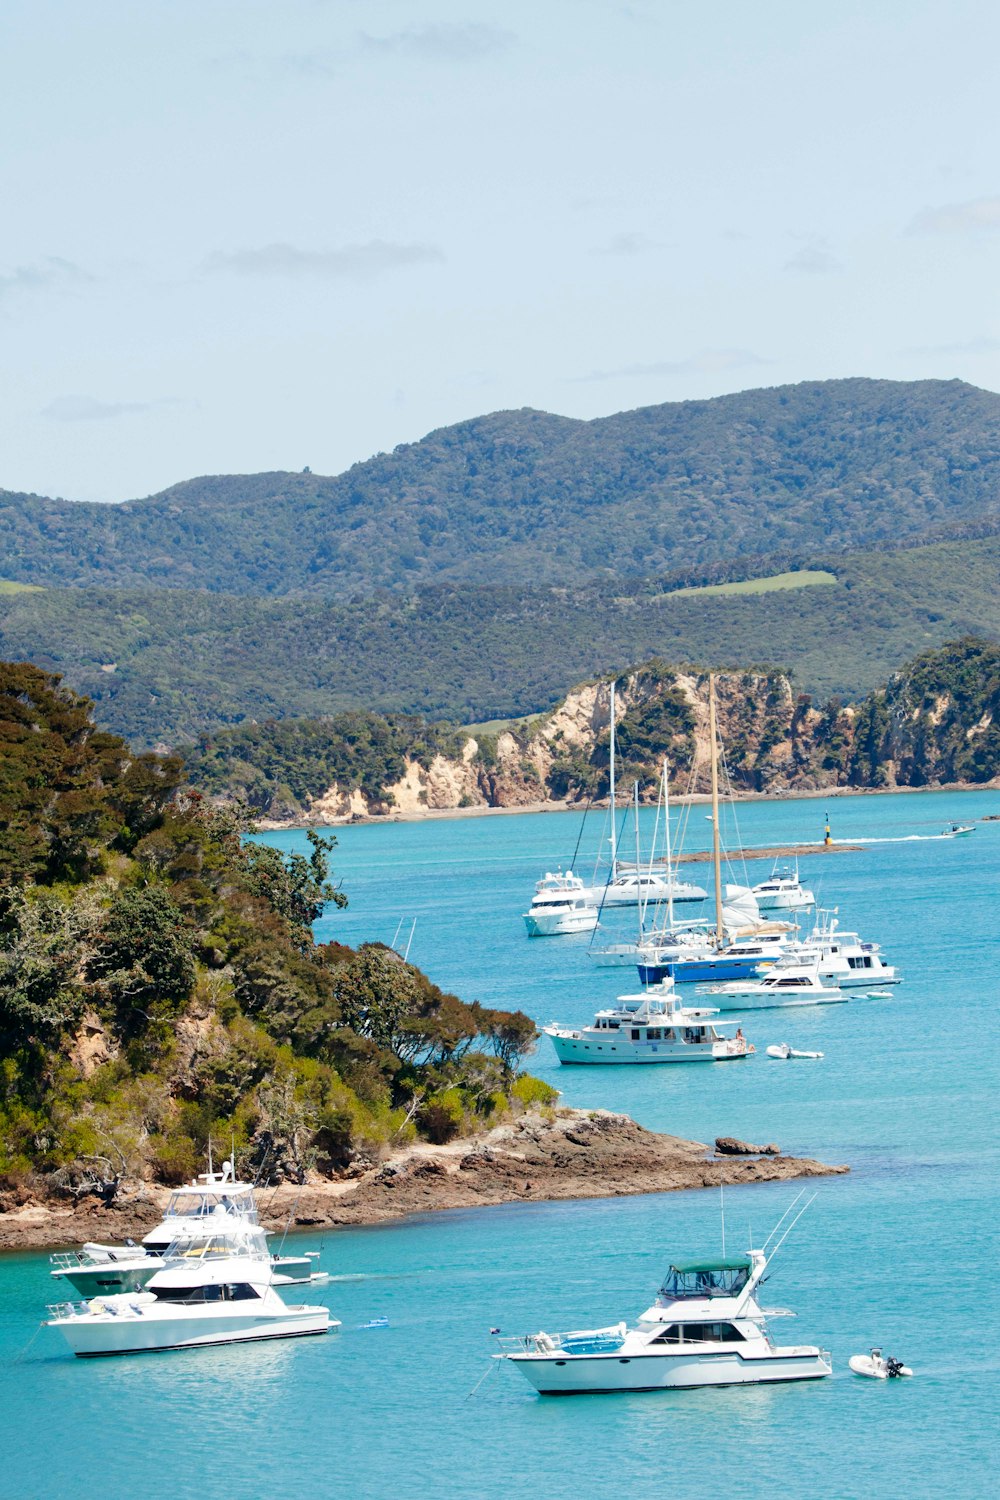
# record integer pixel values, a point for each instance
(773, 741)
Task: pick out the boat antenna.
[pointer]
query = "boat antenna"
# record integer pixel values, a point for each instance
(784, 1216)
(808, 1203)
(409, 940)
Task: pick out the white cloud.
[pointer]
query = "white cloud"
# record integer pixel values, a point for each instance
(628, 243)
(969, 346)
(973, 217)
(358, 262)
(90, 409)
(814, 259)
(708, 362)
(49, 273)
(445, 40)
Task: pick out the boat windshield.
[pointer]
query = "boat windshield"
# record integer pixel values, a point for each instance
(717, 1278)
(188, 1204)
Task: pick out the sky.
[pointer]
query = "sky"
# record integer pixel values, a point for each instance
(238, 235)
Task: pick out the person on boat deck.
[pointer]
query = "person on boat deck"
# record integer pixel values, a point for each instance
(739, 1033)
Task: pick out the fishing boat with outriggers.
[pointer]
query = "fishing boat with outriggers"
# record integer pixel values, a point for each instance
(705, 1328)
(653, 1027)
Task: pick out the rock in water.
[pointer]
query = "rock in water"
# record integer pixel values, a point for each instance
(728, 1145)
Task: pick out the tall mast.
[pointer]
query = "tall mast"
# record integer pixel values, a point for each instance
(638, 866)
(614, 834)
(666, 821)
(720, 932)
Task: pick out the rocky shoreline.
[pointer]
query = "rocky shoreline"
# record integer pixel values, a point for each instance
(538, 1158)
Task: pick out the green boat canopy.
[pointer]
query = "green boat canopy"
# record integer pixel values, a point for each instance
(726, 1263)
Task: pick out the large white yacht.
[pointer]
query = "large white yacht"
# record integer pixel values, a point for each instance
(645, 887)
(214, 1294)
(206, 1210)
(561, 903)
(784, 984)
(705, 1328)
(783, 891)
(842, 957)
(653, 1027)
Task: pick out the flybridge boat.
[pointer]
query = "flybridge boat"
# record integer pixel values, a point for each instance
(783, 891)
(704, 1329)
(561, 903)
(207, 1211)
(785, 984)
(196, 1298)
(842, 958)
(650, 1028)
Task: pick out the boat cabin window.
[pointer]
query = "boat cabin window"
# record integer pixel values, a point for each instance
(652, 1033)
(708, 1279)
(636, 1033)
(240, 1291)
(699, 1333)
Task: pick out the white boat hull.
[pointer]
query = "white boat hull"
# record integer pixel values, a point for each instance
(773, 1000)
(864, 1364)
(651, 896)
(578, 1049)
(555, 924)
(582, 1375)
(94, 1335)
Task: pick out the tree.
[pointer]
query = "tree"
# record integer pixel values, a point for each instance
(142, 954)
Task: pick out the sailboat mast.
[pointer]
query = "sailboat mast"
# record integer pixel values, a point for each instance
(666, 824)
(614, 833)
(720, 933)
(641, 904)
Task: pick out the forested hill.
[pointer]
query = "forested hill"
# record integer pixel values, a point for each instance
(527, 498)
(160, 984)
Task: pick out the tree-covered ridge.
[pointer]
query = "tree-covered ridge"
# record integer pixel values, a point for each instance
(524, 498)
(159, 980)
(167, 667)
(937, 721)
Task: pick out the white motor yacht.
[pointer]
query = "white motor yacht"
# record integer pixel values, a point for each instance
(196, 1298)
(561, 904)
(842, 957)
(645, 887)
(784, 984)
(705, 1328)
(653, 1027)
(206, 1210)
(783, 891)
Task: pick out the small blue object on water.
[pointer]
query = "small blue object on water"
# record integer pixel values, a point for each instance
(375, 1323)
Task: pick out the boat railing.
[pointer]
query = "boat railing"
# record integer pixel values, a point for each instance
(587, 1341)
(59, 1311)
(67, 1260)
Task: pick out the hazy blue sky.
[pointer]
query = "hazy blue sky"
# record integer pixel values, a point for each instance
(243, 235)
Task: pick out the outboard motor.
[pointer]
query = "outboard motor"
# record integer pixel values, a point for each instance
(893, 1367)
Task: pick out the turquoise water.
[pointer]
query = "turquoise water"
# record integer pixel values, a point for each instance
(901, 1252)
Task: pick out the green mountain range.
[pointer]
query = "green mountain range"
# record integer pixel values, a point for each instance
(479, 572)
(526, 498)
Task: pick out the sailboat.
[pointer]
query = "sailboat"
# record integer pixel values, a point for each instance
(657, 883)
(697, 956)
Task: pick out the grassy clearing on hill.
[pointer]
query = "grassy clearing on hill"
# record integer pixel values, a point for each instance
(802, 578)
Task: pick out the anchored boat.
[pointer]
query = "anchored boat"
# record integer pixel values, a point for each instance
(653, 1027)
(705, 1328)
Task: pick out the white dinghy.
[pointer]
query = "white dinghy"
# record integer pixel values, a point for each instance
(878, 1366)
(783, 1052)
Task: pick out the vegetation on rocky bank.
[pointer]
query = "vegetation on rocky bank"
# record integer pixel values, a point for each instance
(159, 983)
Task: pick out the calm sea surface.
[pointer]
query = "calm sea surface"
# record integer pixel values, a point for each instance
(903, 1252)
